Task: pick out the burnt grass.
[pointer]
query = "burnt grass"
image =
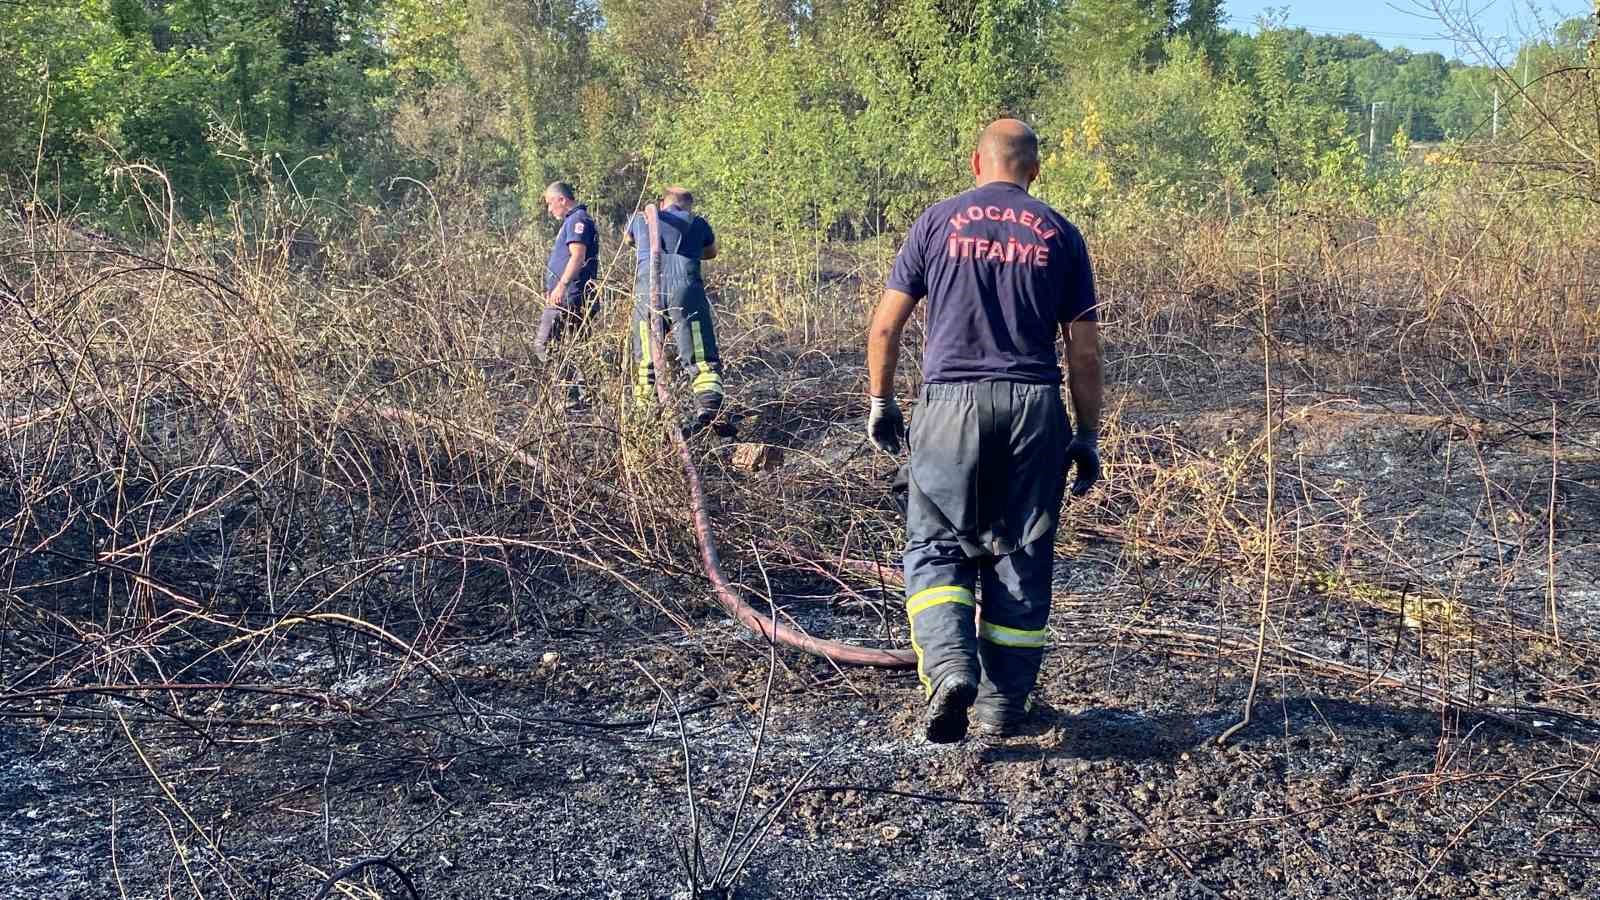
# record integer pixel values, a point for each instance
(552, 750)
(568, 779)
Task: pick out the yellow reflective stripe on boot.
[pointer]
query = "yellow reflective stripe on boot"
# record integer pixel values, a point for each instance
(707, 382)
(931, 597)
(1012, 637)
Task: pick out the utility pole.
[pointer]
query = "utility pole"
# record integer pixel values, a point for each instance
(1494, 131)
(1372, 129)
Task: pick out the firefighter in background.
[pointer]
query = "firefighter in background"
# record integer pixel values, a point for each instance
(570, 293)
(686, 240)
(1003, 274)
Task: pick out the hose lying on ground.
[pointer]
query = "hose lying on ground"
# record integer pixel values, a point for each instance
(726, 595)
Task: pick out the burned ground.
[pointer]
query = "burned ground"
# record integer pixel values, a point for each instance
(269, 627)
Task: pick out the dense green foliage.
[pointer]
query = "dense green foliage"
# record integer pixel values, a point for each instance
(838, 115)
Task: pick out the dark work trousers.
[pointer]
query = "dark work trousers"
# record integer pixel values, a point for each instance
(580, 304)
(695, 338)
(987, 471)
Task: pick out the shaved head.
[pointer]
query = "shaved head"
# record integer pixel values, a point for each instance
(1008, 150)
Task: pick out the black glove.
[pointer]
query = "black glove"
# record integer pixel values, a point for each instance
(1084, 452)
(885, 426)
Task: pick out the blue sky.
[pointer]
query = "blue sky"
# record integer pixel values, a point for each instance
(1412, 23)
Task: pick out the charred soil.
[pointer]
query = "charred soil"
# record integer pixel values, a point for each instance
(261, 626)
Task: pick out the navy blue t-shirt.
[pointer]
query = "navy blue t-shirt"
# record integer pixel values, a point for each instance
(1002, 271)
(576, 228)
(695, 233)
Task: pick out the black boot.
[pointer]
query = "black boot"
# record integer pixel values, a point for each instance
(944, 635)
(946, 718)
(1005, 691)
(709, 414)
(1002, 722)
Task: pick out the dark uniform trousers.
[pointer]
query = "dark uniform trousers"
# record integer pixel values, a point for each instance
(689, 315)
(581, 303)
(987, 471)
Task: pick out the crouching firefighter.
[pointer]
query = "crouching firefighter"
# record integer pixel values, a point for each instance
(686, 240)
(570, 294)
(1003, 273)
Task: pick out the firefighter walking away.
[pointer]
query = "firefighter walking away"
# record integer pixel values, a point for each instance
(686, 240)
(1003, 274)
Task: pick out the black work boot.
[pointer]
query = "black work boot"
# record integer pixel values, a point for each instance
(709, 414)
(946, 719)
(1005, 693)
(702, 420)
(944, 635)
(994, 720)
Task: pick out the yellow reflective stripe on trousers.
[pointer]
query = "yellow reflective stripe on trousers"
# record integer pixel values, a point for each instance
(931, 597)
(922, 676)
(1012, 637)
(927, 599)
(699, 343)
(644, 352)
(707, 381)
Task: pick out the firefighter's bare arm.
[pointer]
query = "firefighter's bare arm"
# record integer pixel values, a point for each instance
(1086, 381)
(885, 425)
(883, 341)
(578, 254)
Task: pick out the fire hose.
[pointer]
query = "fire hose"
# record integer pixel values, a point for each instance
(726, 595)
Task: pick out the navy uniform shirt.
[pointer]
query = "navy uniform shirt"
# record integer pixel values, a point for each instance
(689, 232)
(576, 228)
(1002, 271)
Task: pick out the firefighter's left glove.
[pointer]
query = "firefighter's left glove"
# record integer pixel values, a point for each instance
(885, 425)
(1084, 455)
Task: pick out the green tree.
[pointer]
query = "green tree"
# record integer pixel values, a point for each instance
(1173, 136)
(922, 83)
(1200, 23)
(762, 136)
(1300, 116)
(1466, 105)
(1417, 87)
(62, 62)
(496, 90)
(201, 89)
(1093, 35)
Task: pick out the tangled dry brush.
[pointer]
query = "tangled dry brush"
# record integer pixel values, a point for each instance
(1364, 452)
